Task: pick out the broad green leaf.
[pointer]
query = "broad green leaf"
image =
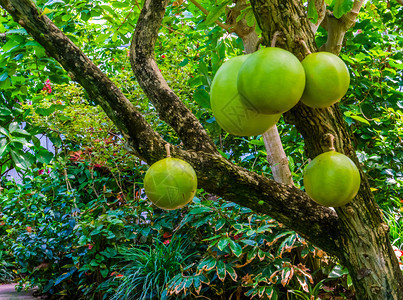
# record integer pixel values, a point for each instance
(360, 119)
(312, 12)
(13, 126)
(342, 7)
(184, 62)
(3, 146)
(4, 76)
(44, 156)
(200, 210)
(215, 13)
(21, 160)
(231, 272)
(236, 248)
(4, 111)
(221, 271)
(223, 243)
(21, 131)
(4, 131)
(202, 98)
(337, 272)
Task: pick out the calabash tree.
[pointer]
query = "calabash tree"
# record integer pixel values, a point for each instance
(355, 233)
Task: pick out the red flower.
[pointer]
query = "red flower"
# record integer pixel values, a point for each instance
(47, 86)
(29, 229)
(90, 246)
(162, 56)
(119, 275)
(40, 172)
(166, 235)
(166, 242)
(2, 223)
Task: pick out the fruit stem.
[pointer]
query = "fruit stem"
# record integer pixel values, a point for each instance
(168, 150)
(302, 42)
(330, 137)
(274, 39)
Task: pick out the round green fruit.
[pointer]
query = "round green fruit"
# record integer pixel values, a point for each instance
(229, 111)
(332, 179)
(327, 79)
(170, 183)
(271, 81)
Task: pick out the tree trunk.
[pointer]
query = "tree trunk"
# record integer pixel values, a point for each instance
(365, 247)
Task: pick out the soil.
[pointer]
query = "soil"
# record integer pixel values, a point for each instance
(8, 292)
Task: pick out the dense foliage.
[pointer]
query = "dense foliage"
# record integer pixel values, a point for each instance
(78, 223)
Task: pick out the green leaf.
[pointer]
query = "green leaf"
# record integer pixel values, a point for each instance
(236, 248)
(200, 210)
(312, 12)
(223, 243)
(221, 270)
(44, 156)
(220, 223)
(184, 62)
(215, 13)
(202, 98)
(4, 76)
(3, 146)
(360, 119)
(337, 272)
(231, 272)
(342, 7)
(21, 160)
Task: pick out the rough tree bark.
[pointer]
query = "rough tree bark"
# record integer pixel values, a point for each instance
(356, 234)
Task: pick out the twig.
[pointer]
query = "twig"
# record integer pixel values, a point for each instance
(274, 39)
(168, 150)
(302, 42)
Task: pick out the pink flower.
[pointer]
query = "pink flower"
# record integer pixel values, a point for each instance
(90, 246)
(47, 86)
(166, 242)
(29, 229)
(40, 172)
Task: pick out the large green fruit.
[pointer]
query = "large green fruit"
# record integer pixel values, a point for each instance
(332, 179)
(229, 112)
(327, 79)
(271, 81)
(170, 183)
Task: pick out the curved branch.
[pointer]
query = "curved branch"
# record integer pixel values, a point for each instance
(336, 28)
(170, 108)
(287, 204)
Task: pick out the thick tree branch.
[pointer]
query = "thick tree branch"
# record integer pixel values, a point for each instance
(170, 108)
(320, 6)
(288, 205)
(336, 28)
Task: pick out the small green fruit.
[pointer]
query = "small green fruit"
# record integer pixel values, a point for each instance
(327, 79)
(271, 81)
(170, 183)
(332, 179)
(229, 111)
